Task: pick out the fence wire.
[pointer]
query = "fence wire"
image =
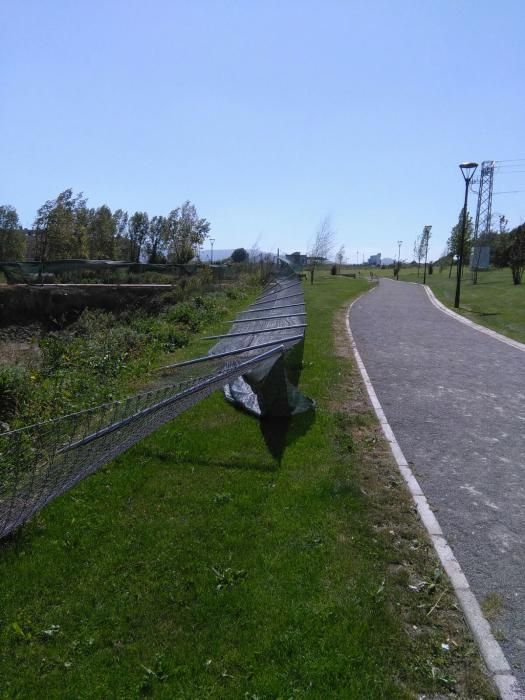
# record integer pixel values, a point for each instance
(39, 462)
(42, 461)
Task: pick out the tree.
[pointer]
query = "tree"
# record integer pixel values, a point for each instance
(12, 240)
(500, 242)
(138, 230)
(454, 241)
(101, 231)
(60, 227)
(322, 245)
(122, 243)
(185, 233)
(423, 248)
(340, 256)
(157, 239)
(516, 251)
(417, 252)
(239, 255)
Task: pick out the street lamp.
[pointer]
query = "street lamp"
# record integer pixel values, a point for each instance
(399, 243)
(426, 234)
(212, 241)
(467, 170)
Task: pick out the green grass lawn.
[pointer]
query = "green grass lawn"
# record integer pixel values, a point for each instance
(197, 566)
(493, 302)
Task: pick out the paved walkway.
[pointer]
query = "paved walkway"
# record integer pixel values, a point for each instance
(455, 399)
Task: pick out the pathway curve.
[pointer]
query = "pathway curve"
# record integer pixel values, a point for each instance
(455, 399)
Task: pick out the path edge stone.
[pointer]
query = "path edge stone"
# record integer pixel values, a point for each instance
(476, 326)
(492, 653)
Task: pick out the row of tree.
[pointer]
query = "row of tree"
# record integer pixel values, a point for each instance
(66, 228)
(507, 248)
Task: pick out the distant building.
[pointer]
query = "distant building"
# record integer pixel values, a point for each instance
(297, 259)
(375, 260)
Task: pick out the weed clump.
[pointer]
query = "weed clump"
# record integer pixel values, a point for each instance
(15, 387)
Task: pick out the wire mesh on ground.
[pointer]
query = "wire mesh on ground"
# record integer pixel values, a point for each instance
(275, 317)
(42, 461)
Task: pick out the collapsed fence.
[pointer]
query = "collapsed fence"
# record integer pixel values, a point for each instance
(42, 461)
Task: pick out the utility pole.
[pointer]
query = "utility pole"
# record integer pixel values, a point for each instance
(212, 241)
(399, 244)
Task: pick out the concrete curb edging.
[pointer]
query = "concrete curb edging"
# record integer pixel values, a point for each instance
(482, 329)
(495, 660)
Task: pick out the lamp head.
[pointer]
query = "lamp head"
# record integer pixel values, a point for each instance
(467, 170)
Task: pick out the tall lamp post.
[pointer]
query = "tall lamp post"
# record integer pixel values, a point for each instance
(426, 234)
(399, 243)
(212, 241)
(467, 170)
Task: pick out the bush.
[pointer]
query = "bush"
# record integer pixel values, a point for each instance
(15, 388)
(240, 255)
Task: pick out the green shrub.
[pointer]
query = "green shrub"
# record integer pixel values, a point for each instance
(15, 388)
(194, 314)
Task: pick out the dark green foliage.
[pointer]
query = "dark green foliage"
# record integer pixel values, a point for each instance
(454, 241)
(195, 313)
(12, 240)
(157, 240)
(239, 255)
(61, 227)
(185, 232)
(516, 253)
(15, 388)
(138, 230)
(66, 229)
(101, 234)
(95, 358)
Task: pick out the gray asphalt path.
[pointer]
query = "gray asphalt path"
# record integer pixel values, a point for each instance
(455, 399)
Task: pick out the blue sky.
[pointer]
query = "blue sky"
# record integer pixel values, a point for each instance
(267, 115)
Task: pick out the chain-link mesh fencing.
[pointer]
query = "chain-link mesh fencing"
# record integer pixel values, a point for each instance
(42, 461)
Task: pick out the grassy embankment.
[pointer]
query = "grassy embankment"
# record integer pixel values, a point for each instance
(103, 356)
(196, 566)
(493, 302)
